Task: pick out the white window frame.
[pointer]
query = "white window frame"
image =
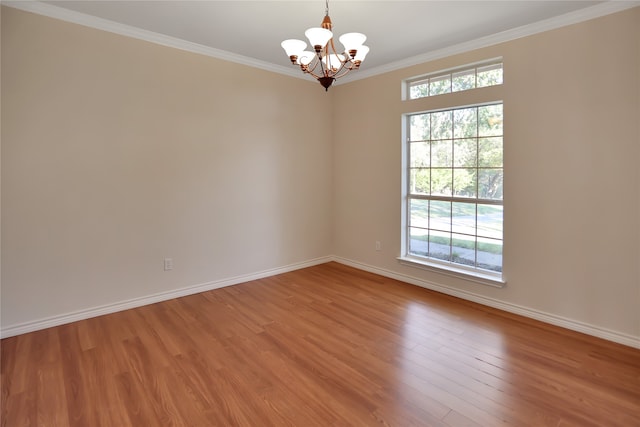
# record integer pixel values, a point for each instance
(474, 68)
(442, 267)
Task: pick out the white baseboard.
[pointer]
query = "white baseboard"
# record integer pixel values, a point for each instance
(552, 319)
(574, 325)
(62, 319)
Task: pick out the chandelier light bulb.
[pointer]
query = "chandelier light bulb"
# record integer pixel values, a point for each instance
(318, 36)
(352, 42)
(293, 47)
(362, 52)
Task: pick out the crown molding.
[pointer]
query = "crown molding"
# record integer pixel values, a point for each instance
(86, 20)
(45, 9)
(593, 12)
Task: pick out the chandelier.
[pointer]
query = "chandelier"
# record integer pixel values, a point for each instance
(325, 64)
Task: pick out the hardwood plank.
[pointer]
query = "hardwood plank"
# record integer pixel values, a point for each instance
(326, 345)
(454, 419)
(51, 393)
(135, 401)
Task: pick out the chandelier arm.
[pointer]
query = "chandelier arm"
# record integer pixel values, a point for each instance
(333, 46)
(342, 72)
(314, 75)
(339, 70)
(330, 50)
(345, 66)
(311, 69)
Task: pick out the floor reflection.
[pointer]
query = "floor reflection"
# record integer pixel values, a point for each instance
(454, 363)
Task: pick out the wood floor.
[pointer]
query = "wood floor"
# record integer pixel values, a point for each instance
(324, 346)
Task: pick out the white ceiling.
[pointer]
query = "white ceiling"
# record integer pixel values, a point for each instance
(397, 31)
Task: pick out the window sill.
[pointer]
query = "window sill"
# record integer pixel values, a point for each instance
(488, 279)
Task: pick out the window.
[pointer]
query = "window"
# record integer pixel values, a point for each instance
(465, 78)
(454, 189)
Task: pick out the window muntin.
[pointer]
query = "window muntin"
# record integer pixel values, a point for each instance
(464, 78)
(455, 187)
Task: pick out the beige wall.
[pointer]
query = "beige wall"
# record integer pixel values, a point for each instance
(572, 187)
(117, 153)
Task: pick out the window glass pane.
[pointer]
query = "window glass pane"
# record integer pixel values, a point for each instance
(419, 216)
(442, 153)
(441, 182)
(419, 154)
(440, 215)
(465, 123)
(418, 241)
(419, 130)
(490, 221)
(490, 184)
(490, 120)
(490, 152)
(419, 181)
(442, 125)
(419, 91)
(464, 182)
(439, 245)
(463, 249)
(460, 80)
(465, 153)
(463, 80)
(439, 85)
(490, 75)
(490, 254)
(457, 153)
(463, 218)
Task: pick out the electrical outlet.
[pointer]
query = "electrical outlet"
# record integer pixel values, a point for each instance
(168, 264)
(378, 245)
